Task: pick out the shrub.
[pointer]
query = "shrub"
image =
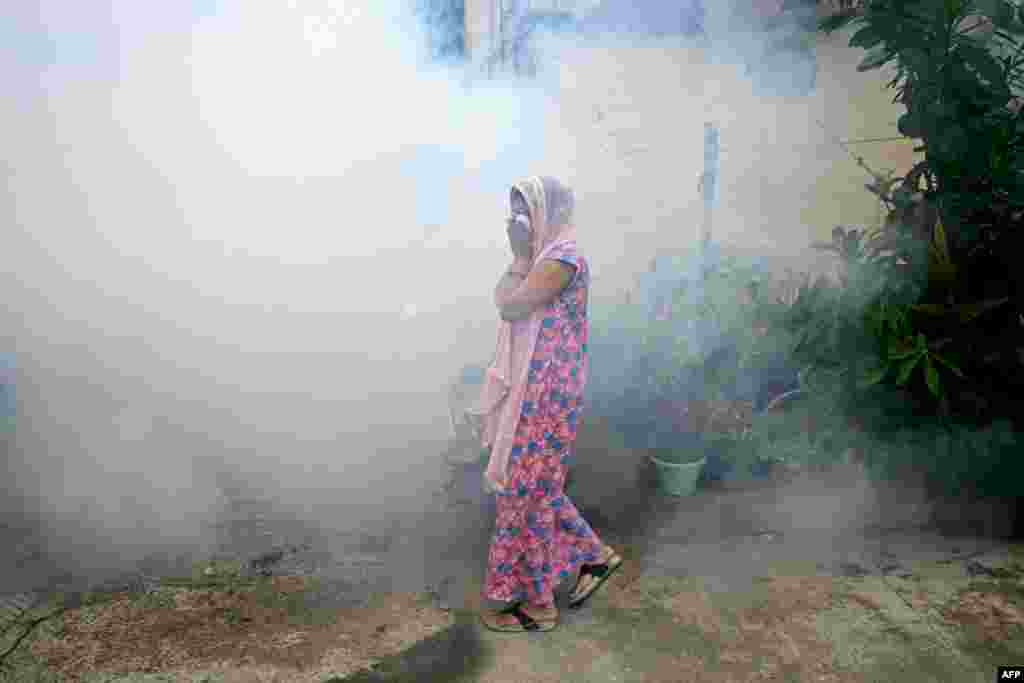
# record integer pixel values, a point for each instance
(682, 335)
(945, 310)
(921, 334)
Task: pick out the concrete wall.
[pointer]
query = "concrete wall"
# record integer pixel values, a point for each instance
(628, 132)
(626, 128)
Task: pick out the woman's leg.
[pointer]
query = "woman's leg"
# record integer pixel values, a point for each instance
(588, 580)
(521, 617)
(586, 549)
(540, 538)
(542, 612)
(516, 560)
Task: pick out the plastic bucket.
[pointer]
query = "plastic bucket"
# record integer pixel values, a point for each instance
(677, 479)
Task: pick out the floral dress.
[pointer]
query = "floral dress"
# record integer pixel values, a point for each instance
(540, 538)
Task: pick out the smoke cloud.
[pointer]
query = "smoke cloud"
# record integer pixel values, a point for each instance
(251, 238)
(262, 237)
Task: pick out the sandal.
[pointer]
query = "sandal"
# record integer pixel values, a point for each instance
(527, 624)
(600, 573)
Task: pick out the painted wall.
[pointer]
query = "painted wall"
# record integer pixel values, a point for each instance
(870, 114)
(626, 128)
(628, 132)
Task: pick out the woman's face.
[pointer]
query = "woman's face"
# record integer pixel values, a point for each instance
(519, 232)
(519, 205)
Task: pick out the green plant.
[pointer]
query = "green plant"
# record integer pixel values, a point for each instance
(955, 458)
(957, 70)
(232, 616)
(726, 303)
(142, 677)
(880, 320)
(809, 430)
(954, 233)
(23, 621)
(826, 318)
(854, 329)
(211, 574)
(738, 448)
(648, 344)
(658, 338)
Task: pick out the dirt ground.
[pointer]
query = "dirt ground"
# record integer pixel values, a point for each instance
(798, 580)
(260, 632)
(938, 620)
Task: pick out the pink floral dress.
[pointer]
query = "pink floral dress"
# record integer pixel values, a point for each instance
(540, 538)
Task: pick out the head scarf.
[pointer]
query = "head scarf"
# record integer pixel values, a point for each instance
(551, 207)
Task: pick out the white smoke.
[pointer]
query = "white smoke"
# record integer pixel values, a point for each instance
(267, 236)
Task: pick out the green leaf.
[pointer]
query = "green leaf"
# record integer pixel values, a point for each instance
(931, 376)
(983, 63)
(901, 349)
(874, 377)
(837, 21)
(903, 355)
(875, 58)
(966, 312)
(954, 143)
(909, 125)
(949, 364)
(1000, 11)
(867, 37)
(906, 369)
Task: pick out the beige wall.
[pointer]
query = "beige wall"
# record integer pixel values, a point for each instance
(870, 114)
(627, 130)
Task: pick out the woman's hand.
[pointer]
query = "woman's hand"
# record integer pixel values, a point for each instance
(511, 280)
(521, 264)
(492, 487)
(518, 239)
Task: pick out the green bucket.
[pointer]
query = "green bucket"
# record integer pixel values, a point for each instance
(677, 479)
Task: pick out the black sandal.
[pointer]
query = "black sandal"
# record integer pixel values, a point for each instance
(601, 573)
(527, 624)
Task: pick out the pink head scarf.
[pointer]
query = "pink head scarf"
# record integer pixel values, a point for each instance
(551, 212)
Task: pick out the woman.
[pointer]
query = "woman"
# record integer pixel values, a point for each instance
(532, 405)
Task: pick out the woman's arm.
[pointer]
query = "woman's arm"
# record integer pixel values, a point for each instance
(511, 280)
(517, 299)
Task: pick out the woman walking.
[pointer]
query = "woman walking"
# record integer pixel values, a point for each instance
(532, 408)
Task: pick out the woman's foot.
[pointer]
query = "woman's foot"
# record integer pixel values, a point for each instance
(593, 575)
(522, 617)
(586, 581)
(542, 612)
